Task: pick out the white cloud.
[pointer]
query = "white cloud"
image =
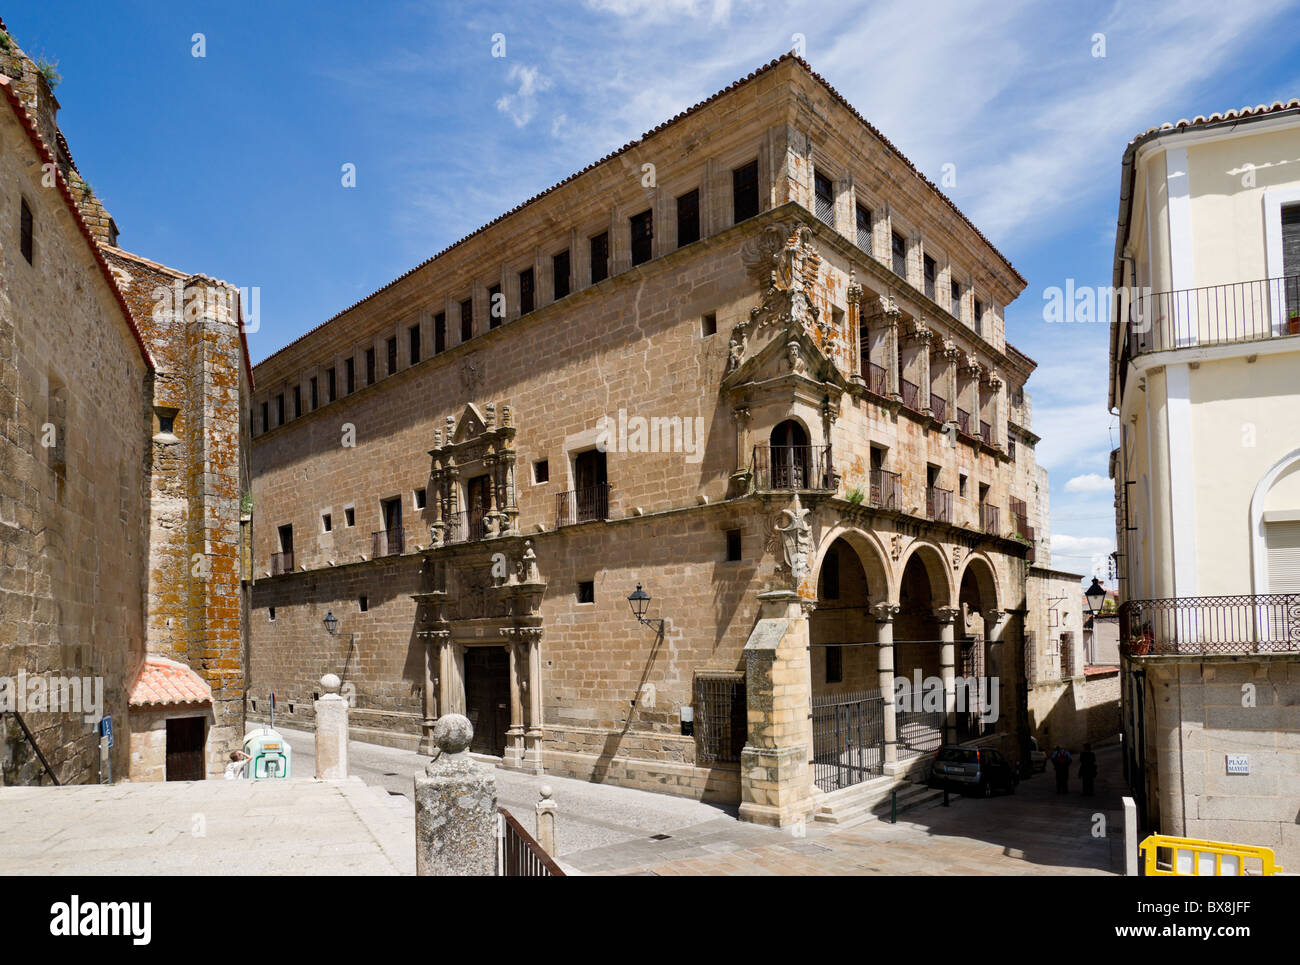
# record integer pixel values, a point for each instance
(1089, 554)
(1089, 482)
(522, 104)
(664, 11)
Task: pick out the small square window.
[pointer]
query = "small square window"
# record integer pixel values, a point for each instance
(733, 546)
(166, 423)
(709, 324)
(270, 613)
(586, 591)
(542, 471)
(364, 602)
(961, 485)
(834, 665)
(327, 522)
(420, 499)
(349, 516)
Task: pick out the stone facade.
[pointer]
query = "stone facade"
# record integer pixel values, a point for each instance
(186, 457)
(473, 496)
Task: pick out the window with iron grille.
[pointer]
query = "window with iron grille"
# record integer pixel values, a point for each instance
(467, 320)
(331, 386)
(279, 409)
(527, 301)
(414, 335)
(560, 274)
(496, 307)
(370, 366)
(930, 272)
(864, 228)
(978, 319)
(25, 235)
(721, 725)
(600, 257)
(1067, 654)
(297, 401)
(266, 417)
(955, 293)
(439, 333)
(824, 190)
(391, 351)
(688, 218)
(898, 246)
(744, 192)
(315, 394)
(350, 376)
(643, 231)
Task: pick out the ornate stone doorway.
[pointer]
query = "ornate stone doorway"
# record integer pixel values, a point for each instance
(487, 698)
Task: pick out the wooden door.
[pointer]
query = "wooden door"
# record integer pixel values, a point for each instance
(185, 739)
(487, 698)
(479, 498)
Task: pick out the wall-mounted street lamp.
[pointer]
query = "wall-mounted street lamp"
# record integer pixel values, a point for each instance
(1096, 597)
(331, 623)
(639, 601)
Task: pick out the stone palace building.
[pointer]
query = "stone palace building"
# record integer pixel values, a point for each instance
(753, 364)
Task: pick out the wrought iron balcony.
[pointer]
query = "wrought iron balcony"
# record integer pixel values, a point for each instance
(1248, 311)
(803, 468)
(886, 489)
(582, 505)
(877, 380)
(939, 406)
(938, 504)
(387, 542)
(963, 421)
(1246, 624)
(911, 393)
(986, 433)
(466, 526)
(990, 519)
(282, 563)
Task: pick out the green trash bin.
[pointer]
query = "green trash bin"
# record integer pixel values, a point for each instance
(270, 755)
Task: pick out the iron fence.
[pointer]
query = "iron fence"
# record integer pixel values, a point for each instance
(793, 467)
(963, 421)
(939, 407)
(1253, 623)
(721, 718)
(387, 542)
(938, 504)
(911, 393)
(885, 489)
(918, 731)
(877, 380)
(582, 505)
(986, 433)
(848, 738)
(518, 853)
(466, 526)
(1245, 311)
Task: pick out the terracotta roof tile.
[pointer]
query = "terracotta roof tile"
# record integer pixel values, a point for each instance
(1200, 120)
(164, 681)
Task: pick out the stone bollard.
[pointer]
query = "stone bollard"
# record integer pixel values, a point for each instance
(1130, 837)
(331, 732)
(455, 807)
(546, 821)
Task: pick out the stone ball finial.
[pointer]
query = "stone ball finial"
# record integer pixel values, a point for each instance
(545, 791)
(331, 683)
(453, 733)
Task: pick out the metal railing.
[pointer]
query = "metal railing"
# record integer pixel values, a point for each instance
(848, 738)
(36, 747)
(582, 505)
(793, 467)
(918, 731)
(938, 504)
(911, 393)
(387, 542)
(1247, 311)
(721, 718)
(282, 563)
(986, 433)
(877, 378)
(886, 488)
(939, 406)
(963, 421)
(518, 853)
(990, 519)
(1252, 623)
(466, 526)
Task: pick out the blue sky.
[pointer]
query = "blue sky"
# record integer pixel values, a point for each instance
(230, 164)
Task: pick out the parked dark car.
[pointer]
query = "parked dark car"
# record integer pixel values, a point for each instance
(973, 770)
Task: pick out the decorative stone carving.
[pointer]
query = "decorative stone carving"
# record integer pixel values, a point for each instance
(797, 364)
(796, 538)
(947, 614)
(885, 612)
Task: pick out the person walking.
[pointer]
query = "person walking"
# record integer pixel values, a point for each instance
(1087, 769)
(1061, 762)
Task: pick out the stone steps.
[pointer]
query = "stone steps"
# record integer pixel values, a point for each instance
(872, 800)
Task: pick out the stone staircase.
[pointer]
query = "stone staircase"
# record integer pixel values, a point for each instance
(871, 801)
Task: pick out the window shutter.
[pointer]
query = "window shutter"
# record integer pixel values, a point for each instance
(1282, 540)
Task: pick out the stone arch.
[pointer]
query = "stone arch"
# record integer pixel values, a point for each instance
(871, 555)
(790, 431)
(983, 575)
(1259, 579)
(935, 564)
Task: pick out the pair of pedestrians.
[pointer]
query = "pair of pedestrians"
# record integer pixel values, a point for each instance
(1061, 761)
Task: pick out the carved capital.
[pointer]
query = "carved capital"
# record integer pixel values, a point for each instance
(946, 614)
(884, 612)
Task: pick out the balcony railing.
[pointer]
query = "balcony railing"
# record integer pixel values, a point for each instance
(939, 406)
(938, 504)
(876, 379)
(466, 526)
(793, 467)
(885, 489)
(986, 433)
(990, 519)
(1211, 625)
(282, 563)
(387, 542)
(1248, 311)
(911, 393)
(582, 505)
(963, 421)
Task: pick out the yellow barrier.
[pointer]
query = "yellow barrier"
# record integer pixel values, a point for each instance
(1190, 857)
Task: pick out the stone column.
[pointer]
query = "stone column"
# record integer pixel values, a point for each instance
(947, 615)
(532, 637)
(546, 820)
(331, 731)
(891, 319)
(455, 807)
(993, 627)
(857, 366)
(432, 655)
(515, 733)
(998, 417)
(884, 614)
(451, 679)
(950, 356)
(775, 779)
